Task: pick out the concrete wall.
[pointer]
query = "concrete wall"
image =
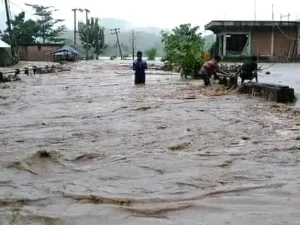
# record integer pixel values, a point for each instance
(261, 41)
(283, 44)
(34, 53)
(274, 43)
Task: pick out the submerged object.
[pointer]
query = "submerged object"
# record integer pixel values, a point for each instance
(271, 92)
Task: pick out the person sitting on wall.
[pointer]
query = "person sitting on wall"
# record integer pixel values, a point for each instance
(248, 71)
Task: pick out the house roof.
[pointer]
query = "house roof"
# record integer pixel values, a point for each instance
(66, 48)
(219, 25)
(4, 44)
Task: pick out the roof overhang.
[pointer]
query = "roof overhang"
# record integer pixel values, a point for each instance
(217, 26)
(4, 44)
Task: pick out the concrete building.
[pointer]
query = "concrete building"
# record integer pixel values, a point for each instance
(270, 40)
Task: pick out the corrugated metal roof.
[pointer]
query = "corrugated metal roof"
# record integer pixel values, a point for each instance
(4, 45)
(66, 48)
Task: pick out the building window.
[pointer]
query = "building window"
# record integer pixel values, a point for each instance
(237, 44)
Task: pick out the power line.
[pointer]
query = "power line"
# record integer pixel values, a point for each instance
(16, 5)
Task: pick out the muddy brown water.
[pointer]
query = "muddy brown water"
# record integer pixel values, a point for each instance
(88, 147)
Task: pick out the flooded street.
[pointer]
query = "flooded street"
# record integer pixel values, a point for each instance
(88, 147)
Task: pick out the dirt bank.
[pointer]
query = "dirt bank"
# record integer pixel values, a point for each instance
(88, 147)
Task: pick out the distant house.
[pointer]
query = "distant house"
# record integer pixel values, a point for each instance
(270, 40)
(37, 52)
(5, 54)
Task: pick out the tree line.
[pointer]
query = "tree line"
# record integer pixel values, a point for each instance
(46, 29)
(183, 46)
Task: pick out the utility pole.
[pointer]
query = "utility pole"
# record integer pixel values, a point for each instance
(75, 10)
(254, 9)
(283, 16)
(273, 12)
(44, 38)
(133, 43)
(87, 33)
(116, 31)
(12, 48)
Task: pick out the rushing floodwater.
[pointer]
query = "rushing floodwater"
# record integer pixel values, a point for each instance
(88, 147)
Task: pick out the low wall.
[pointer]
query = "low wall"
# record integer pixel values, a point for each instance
(270, 92)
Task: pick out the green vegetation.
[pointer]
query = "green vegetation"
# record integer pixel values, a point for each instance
(214, 49)
(92, 36)
(184, 47)
(27, 31)
(151, 53)
(24, 30)
(46, 23)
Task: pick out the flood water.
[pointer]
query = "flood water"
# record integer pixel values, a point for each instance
(89, 147)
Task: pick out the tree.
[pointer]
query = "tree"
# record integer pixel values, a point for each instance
(184, 47)
(24, 31)
(151, 53)
(95, 38)
(214, 48)
(46, 23)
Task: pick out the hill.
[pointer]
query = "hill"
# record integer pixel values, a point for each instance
(145, 37)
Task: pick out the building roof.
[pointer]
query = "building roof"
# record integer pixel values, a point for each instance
(219, 25)
(66, 48)
(4, 44)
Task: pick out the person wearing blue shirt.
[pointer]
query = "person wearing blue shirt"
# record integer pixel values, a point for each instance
(139, 66)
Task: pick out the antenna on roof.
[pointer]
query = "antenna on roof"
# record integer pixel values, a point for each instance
(273, 11)
(254, 9)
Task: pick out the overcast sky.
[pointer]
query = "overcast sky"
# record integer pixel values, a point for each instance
(169, 13)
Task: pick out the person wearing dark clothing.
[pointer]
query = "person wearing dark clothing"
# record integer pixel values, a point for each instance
(139, 66)
(248, 70)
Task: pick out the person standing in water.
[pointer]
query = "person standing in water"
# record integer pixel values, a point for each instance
(248, 71)
(209, 69)
(139, 66)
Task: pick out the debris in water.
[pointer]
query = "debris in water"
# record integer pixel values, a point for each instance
(154, 169)
(161, 127)
(159, 211)
(145, 108)
(98, 199)
(226, 163)
(35, 159)
(88, 156)
(179, 146)
(245, 138)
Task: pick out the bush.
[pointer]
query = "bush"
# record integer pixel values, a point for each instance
(214, 49)
(184, 48)
(151, 53)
